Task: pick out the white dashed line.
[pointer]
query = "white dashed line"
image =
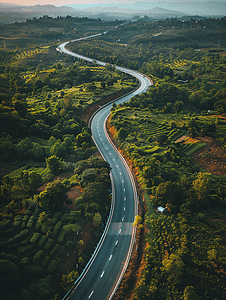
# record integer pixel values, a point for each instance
(116, 243)
(122, 219)
(124, 190)
(91, 294)
(102, 274)
(120, 230)
(124, 198)
(120, 173)
(110, 257)
(124, 208)
(122, 181)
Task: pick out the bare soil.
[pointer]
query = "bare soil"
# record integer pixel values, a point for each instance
(60, 177)
(212, 158)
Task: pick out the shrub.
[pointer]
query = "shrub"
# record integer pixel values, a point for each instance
(42, 240)
(64, 218)
(25, 242)
(12, 247)
(45, 260)
(21, 235)
(37, 226)
(24, 261)
(70, 245)
(17, 218)
(52, 266)
(38, 256)
(16, 224)
(48, 244)
(25, 218)
(25, 249)
(23, 225)
(55, 248)
(61, 236)
(57, 215)
(35, 238)
(10, 257)
(53, 221)
(56, 229)
(9, 231)
(30, 222)
(34, 270)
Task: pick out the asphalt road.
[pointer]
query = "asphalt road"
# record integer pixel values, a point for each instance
(104, 272)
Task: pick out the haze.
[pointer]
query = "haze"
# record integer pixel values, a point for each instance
(60, 3)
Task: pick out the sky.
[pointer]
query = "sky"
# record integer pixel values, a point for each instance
(64, 2)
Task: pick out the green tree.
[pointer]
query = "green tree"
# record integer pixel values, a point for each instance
(54, 164)
(190, 293)
(97, 219)
(53, 197)
(43, 290)
(9, 276)
(68, 280)
(177, 106)
(122, 133)
(138, 220)
(44, 221)
(103, 84)
(20, 104)
(173, 265)
(202, 185)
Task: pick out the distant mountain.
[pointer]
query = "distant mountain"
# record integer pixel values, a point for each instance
(110, 11)
(209, 8)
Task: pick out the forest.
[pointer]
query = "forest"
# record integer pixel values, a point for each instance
(56, 189)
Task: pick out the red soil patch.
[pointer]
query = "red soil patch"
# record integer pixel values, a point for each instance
(22, 211)
(73, 194)
(181, 138)
(212, 158)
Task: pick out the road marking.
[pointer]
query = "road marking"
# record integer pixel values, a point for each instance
(117, 166)
(116, 243)
(120, 230)
(113, 159)
(124, 190)
(110, 153)
(90, 294)
(122, 181)
(122, 219)
(124, 208)
(120, 173)
(102, 274)
(124, 198)
(110, 257)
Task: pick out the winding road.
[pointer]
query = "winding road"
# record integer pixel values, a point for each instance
(103, 273)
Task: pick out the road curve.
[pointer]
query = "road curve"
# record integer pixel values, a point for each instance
(105, 269)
